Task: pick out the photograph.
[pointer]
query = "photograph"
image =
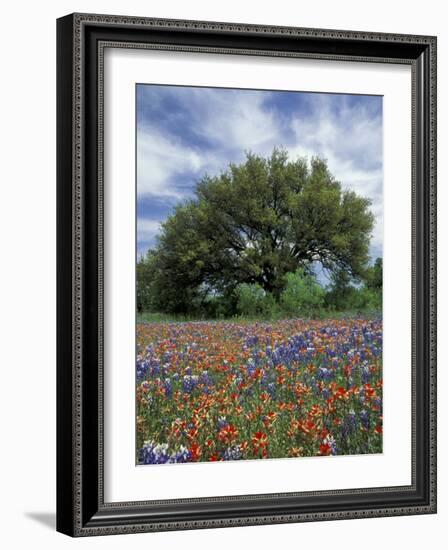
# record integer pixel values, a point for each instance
(259, 274)
(246, 273)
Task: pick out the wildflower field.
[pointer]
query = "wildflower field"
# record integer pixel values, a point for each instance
(221, 390)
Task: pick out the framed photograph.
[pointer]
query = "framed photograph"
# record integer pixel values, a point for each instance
(246, 274)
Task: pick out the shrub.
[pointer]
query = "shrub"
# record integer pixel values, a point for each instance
(367, 299)
(253, 300)
(216, 307)
(303, 295)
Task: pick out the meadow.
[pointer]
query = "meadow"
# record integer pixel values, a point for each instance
(247, 389)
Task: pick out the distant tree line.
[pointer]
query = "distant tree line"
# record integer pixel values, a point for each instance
(252, 240)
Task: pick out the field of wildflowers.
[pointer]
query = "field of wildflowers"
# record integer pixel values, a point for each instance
(221, 390)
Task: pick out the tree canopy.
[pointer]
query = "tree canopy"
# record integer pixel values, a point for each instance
(253, 224)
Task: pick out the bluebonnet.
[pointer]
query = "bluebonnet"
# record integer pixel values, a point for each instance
(152, 453)
(326, 393)
(233, 453)
(183, 455)
(349, 424)
(168, 385)
(251, 341)
(250, 366)
(324, 373)
(142, 369)
(149, 366)
(350, 382)
(332, 442)
(189, 382)
(364, 416)
(205, 378)
(365, 373)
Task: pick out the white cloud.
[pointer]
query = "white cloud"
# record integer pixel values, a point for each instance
(233, 121)
(236, 119)
(147, 229)
(159, 160)
(351, 141)
(350, 134)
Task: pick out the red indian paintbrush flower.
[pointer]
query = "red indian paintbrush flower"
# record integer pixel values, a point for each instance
(228, 434)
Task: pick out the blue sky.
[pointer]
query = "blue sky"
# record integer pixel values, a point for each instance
(184, 133)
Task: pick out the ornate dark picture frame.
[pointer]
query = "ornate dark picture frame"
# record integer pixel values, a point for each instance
(81, 509)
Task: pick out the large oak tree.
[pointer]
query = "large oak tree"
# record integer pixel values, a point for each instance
(254, 223)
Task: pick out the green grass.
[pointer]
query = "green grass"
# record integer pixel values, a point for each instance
(158, 317)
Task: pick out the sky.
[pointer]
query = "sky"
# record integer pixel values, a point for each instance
(184, 133)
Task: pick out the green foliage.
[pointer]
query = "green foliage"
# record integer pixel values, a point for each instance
(254, 224)
(254, 301)
(341, 292)
(366, 299)
(373, 275)
(303, 295)
(145, 282)
(218, 307)
(343, 295)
